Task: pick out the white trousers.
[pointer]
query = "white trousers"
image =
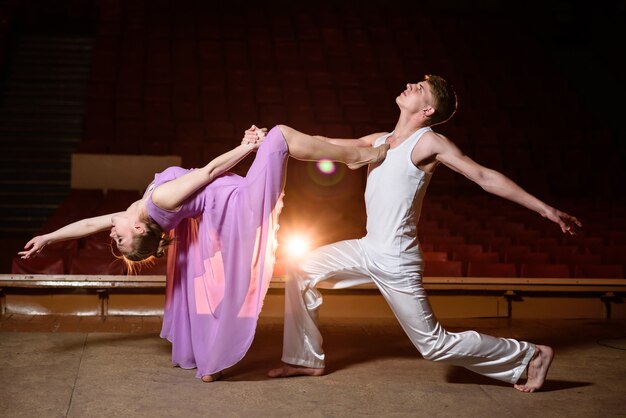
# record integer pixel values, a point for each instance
(345, 264)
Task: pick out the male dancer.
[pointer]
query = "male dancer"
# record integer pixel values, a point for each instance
(390, 256)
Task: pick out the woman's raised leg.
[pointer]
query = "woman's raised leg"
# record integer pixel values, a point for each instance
(308, 148)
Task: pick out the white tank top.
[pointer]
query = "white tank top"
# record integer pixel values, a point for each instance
(394, 193)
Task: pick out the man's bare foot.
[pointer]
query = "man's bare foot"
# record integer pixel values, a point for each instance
(287, 370)
(207, 378)
(537, 369)
(370, 156)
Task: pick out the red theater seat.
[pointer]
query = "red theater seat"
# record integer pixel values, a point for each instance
(443, 269)
(434, 256)
(482, 269)
(544, 270)
(97, 265)
(40, 264)
(604, 271)
(158, 268)
(100, 241)
(528, 258)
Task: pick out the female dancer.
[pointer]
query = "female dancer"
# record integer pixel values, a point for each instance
(222, 229)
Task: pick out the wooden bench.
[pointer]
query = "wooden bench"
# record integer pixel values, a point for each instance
(512, 289)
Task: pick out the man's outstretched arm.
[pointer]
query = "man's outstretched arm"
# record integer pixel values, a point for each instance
(498, 184)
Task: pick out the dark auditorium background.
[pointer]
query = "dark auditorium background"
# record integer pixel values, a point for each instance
(541, 87)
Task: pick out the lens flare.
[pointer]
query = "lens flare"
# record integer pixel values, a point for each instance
(326, 166)
(326, 173)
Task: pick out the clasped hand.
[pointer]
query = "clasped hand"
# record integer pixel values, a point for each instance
(254, 136)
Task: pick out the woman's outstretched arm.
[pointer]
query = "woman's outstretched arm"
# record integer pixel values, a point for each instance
(74, 230)
(171, 195)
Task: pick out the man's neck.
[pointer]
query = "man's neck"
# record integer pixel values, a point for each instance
(403, 131)
(407, 125)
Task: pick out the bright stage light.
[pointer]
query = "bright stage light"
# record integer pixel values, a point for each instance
(297, 246)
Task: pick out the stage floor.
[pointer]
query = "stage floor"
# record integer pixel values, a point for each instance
(84, 367)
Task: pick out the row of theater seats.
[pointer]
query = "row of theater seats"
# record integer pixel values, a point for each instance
(96, 256)
(475, 237)
(494, 268)
(84, 264)
(483, 236)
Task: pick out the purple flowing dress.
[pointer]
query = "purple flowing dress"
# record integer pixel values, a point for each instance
(221, 261)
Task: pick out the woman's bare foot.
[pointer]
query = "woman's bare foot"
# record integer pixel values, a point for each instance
(287, 370)
(537, 369)
(370, 156)
(207, 378)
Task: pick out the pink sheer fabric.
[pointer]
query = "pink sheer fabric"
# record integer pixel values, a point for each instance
(221, 261)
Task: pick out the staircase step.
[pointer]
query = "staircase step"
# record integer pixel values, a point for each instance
(21, 153)
(13, 116)
(48, 67)
(69, 77)
(24, 160)
(13, 100)
(39, 89)
(21, 231)
(34, 173)
(30, 54)
(39, 211)
(23, 225)
(27, 197)
(41, 123)
(72, 62)
(21, 139)
(35, 186)
(29, 108)
(33, 126)
(27, 129)
(47, 43)
(56, 64)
